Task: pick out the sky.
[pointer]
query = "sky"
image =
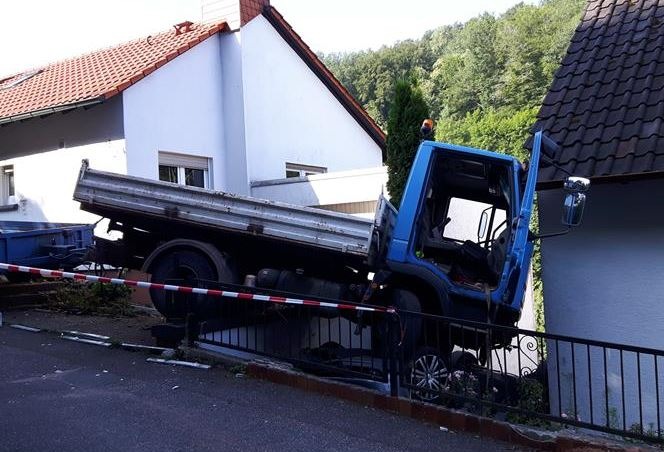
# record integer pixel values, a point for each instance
(37, 32)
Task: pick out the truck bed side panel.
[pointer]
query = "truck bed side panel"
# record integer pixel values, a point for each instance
(211, 209)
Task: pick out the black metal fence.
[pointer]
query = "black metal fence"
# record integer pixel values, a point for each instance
(535, 378)
(519, 375)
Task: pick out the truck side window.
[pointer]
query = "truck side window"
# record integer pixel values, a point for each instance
(464, 216)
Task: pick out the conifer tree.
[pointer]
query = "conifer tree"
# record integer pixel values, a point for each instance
(407, 112)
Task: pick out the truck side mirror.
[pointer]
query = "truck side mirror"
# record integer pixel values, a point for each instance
(573, 209)
(575, 200)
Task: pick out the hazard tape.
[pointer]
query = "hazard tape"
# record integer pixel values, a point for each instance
(185, 289)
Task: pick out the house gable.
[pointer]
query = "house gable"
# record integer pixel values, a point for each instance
(325, 75)
(291, 115)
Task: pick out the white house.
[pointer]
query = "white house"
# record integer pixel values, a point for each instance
(605, 108)
(226, 104)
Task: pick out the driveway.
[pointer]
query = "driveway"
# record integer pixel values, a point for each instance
(61, 395)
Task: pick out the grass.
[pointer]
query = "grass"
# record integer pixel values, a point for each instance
(77, 297)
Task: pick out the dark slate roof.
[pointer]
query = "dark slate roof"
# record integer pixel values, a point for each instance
(605, 106)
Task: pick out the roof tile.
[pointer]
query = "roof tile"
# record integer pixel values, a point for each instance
(97, 75)
(105, 73)
(605, 106)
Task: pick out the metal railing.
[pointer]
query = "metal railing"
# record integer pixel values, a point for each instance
(323, 340)
(534, 377)
(526, 377)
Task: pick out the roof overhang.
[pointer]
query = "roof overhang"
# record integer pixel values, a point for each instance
(51, 110)
(601, 180)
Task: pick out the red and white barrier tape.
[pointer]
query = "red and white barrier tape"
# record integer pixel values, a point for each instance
(184, 289)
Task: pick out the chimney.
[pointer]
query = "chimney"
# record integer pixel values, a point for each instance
(183, 27)
(235, 12)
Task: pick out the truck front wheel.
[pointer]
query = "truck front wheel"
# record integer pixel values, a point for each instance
(188, 266)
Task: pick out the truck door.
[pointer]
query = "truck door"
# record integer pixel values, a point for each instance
(516, 272)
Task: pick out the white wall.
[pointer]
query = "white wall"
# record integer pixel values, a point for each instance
(604, 281)
(234, 159)
(44, 183)
(323, 189)
(177, 108)
(47, 153)
(290, 116)
(79, 127)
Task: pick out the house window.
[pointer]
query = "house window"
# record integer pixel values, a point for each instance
(297, 170)
(184, 169)
(6, 184)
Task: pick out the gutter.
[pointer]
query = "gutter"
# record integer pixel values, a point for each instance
(51, 110)
(608, 179)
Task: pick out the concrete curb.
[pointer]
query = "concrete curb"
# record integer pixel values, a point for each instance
(451, 419)
(208, 356)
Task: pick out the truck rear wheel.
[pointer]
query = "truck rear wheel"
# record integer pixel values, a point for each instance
(188, 265)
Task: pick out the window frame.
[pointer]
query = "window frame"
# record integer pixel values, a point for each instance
(303, 170)
(8, 185)
(184, 162)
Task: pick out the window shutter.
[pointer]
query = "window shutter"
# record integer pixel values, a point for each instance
(186, 161)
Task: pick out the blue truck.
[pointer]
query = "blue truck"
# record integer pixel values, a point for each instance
(45, 245)
(459, 245)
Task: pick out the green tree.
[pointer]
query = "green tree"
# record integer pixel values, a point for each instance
(488, 63)
(407, 112)
(500, 130)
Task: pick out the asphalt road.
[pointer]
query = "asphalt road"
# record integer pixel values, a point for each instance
(61, 395)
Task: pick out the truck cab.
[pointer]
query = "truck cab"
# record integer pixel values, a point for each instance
(463, 228)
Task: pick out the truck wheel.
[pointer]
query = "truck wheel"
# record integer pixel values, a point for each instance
(411, 320)
(184, 265)
(428, 375)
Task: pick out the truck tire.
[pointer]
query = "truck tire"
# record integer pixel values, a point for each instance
(188, 264)
(418, 328)
(410, 319)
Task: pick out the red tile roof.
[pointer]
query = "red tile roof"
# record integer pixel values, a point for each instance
(100, 75)
(96, 76)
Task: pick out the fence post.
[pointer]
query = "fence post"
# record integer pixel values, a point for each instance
(393, 339)
(191, 329)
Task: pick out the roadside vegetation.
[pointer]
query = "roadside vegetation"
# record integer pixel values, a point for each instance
(77, 297)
